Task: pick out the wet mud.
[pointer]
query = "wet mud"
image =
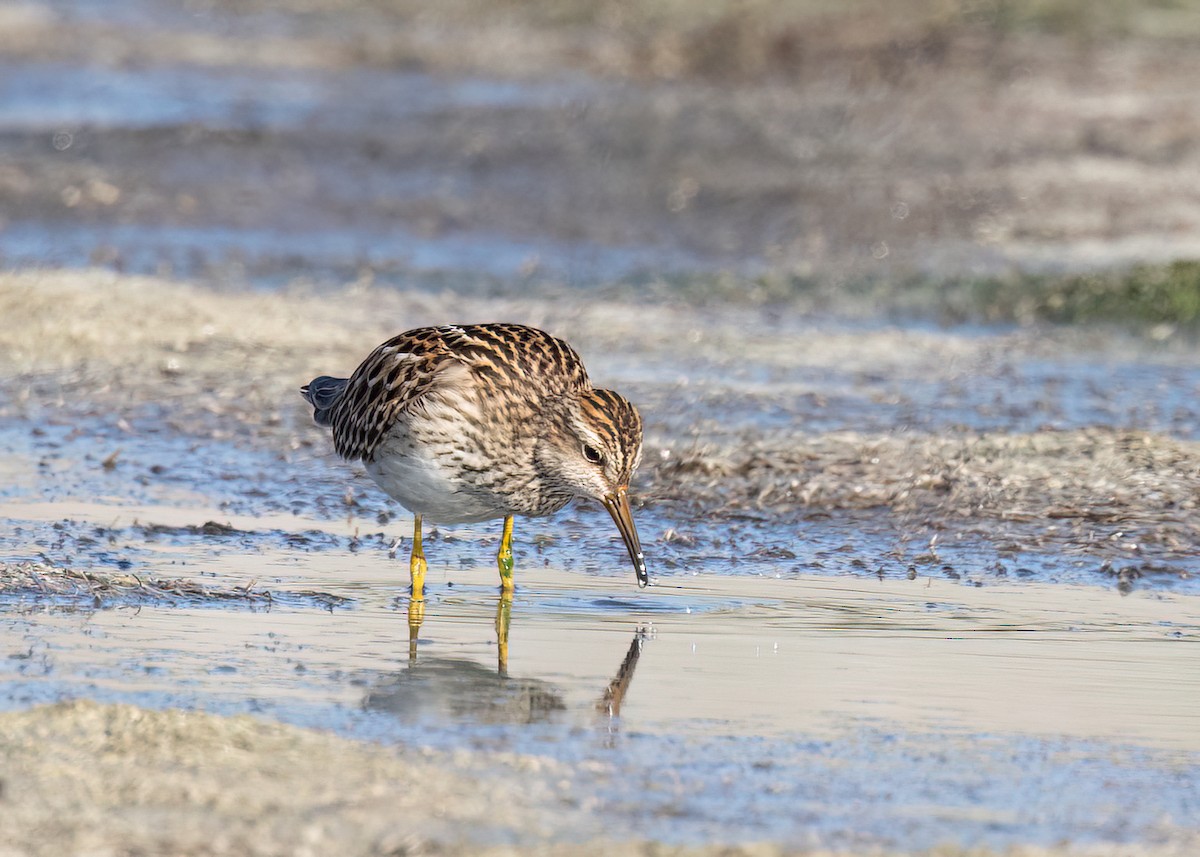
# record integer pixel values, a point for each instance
(817, 446)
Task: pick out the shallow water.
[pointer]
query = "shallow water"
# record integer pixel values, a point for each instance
(811, 711)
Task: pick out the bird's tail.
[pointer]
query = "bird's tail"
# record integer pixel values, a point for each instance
(322, 393)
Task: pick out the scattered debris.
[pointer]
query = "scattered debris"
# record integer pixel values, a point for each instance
(108, 589)
(208, 528)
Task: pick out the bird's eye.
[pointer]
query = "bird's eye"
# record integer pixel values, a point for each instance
(592, 454)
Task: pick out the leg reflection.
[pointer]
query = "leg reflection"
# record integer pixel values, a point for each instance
(416, 615)
(503, 617)
(610, 702)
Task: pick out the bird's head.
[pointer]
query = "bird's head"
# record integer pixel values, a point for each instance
(592, 451)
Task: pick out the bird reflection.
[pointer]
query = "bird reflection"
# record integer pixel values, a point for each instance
(464, 689)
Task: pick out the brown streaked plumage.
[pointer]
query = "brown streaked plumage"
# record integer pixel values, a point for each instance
(468, 423)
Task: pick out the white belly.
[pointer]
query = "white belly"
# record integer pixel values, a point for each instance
(413, 476)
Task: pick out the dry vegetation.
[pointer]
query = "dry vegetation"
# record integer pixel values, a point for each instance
(30, 583)
(1114, 476)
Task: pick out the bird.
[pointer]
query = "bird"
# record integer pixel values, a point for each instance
(477, 422)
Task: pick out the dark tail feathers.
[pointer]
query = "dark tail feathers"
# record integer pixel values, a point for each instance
(322, 393)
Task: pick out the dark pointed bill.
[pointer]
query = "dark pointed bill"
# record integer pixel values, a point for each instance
(618, 506)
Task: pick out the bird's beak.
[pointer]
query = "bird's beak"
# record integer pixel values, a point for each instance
(618, 506)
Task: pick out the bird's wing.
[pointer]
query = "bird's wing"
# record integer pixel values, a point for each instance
(506, 355)
(402, 373)
(393, 379)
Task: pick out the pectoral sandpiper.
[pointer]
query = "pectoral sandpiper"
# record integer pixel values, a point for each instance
(468, 423)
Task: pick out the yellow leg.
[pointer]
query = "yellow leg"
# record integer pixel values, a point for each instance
(503, 615)
(417, 564)
(504, 557)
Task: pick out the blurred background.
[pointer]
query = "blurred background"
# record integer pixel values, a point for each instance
(963, 159)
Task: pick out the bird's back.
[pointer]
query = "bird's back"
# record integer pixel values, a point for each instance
(416, 369)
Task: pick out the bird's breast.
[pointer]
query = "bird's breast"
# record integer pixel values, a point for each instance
(453, 464)
(425, 481)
